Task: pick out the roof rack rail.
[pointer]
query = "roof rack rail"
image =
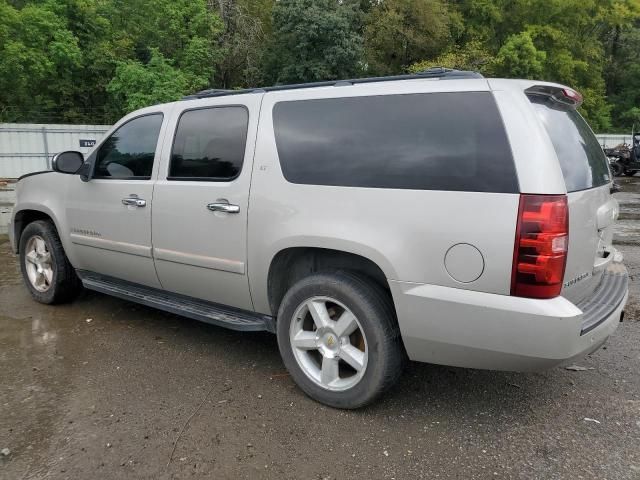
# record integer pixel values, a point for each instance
(211, 91)
(436, 72)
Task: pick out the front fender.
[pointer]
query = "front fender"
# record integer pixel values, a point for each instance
(44, 195)
(20, 213)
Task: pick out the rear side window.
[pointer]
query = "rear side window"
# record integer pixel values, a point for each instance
(435, 141)
(583, 163)
(209, 144)
(129, 152)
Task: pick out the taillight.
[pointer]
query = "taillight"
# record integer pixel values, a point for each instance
(558, 95)
(571, 94)
(540, 253)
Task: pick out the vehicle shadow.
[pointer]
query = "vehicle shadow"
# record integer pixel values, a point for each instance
(424, 390)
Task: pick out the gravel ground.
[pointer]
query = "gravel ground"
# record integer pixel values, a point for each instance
(103, 388)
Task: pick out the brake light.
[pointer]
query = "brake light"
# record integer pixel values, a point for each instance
(560, 96)
(572, 95)
(540, 252)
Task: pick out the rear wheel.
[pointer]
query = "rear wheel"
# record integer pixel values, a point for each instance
(46, 270)
(339, 339)
(630, 173)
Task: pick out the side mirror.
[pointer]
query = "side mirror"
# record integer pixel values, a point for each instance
(67, 162)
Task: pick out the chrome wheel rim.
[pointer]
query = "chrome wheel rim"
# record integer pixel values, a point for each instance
(328, 343)
(38, 263)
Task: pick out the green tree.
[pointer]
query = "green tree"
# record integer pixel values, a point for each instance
(60, 55)
(622, 75)
(38, 59)
(247, 25)
(91, 60)
(101, 48)
(136, 85)
(556, 40)
(185, 31)
(314, 40)
(399, 33)
(519, 57)
(472, 56)
(625, 82)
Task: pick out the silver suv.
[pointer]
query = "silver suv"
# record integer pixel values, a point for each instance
(440, 217)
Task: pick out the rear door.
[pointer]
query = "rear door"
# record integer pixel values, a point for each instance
(592, 209)
(201, 200)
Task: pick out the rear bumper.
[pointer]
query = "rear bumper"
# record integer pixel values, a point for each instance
(609, 294)
(480, 330)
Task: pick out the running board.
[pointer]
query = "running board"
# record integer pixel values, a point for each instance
(222, 316)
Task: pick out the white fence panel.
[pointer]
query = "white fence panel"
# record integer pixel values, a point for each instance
(610, 140)
(28, 147)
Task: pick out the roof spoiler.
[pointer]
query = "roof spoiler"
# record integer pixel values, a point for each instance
(562, 96)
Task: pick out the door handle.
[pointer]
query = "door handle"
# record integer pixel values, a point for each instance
(223, 207)
(134, 202)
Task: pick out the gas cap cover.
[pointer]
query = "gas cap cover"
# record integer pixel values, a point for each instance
(464, 263)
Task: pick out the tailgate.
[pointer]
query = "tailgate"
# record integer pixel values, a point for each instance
(592, 214)
(592, 209)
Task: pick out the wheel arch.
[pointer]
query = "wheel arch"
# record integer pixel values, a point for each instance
(291, 264)
(24, 217)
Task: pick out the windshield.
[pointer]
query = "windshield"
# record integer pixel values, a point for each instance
(584, 164)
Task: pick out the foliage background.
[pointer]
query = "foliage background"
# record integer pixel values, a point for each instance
(91, 61)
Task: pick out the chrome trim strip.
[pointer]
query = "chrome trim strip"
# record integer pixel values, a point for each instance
(203, 261)
(122, 247)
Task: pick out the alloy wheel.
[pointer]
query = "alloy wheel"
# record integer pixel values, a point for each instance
(38, 263)
(328, 343)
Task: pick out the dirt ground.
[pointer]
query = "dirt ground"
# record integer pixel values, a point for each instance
(103, 388)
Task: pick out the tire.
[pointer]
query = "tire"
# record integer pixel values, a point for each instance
(52, 281)
(617, 169)
(377, 337)
(630, 173)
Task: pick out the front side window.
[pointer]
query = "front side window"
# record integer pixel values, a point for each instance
(209, 144)
(431, 141)
(128, 153)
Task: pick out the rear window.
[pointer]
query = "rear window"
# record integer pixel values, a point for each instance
(436, 141)
(209, 144)
(584, 164)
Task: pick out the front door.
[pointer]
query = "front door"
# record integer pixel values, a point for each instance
(110, 215)
(201, 199)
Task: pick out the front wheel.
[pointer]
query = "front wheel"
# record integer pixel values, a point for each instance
(630, 173)
(46, 270)
(339, 339)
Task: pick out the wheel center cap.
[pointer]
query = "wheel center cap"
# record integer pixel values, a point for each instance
(329, 343)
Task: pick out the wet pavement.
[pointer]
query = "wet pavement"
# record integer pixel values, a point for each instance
(103, 388)
(628, 227)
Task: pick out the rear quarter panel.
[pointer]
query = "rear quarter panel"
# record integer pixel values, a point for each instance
(535, 158)
(405, 232)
